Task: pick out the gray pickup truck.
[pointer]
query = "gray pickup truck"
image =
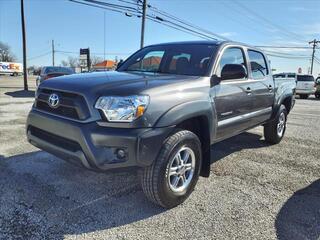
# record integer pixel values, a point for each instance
(160, 112)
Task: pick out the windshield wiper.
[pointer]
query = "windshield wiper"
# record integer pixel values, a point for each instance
(129, 70)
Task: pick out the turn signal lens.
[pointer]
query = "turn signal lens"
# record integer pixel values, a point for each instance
(140, 111)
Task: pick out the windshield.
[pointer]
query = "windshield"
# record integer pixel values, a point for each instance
(58, 70)
(305, 78)
(181, 59)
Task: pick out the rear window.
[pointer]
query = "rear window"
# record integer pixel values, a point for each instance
(305, 78)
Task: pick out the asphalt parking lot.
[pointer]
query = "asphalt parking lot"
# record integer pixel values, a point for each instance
(255, 191)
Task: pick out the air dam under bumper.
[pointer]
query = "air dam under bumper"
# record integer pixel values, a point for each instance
(92, 146)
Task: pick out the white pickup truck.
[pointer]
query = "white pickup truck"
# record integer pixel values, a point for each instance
(11, 68)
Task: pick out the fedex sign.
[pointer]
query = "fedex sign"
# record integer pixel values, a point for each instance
(10, 67)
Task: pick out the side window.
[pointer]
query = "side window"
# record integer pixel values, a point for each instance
(231, 55)
(258, 64)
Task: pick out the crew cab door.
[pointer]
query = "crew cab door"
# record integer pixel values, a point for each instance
(262, 87)
(232, 97)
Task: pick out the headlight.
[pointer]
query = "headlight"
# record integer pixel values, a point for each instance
(123, 109)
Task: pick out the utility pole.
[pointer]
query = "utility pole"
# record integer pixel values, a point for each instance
(53, 52)
(314, 44)
(144, 10)
(25, 77)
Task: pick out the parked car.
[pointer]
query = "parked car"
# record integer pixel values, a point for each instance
(160, 112)
(305, 86)
(317, 85)
(50, 72)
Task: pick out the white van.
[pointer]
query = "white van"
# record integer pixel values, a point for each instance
(305, 86)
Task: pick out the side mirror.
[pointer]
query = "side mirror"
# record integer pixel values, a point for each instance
(233, 71)
(215, 80)
(119, 64)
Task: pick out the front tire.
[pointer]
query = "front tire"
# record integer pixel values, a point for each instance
(274, 130)
(317, 95)
(173, 175)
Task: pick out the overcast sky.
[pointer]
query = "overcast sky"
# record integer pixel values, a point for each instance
(73, 26)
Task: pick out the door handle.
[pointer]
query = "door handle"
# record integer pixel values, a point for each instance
(270, 88)
(248, 90)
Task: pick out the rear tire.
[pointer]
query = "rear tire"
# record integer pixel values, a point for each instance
(274, 130)
(304, 96)
(167, 182)
(317, 95)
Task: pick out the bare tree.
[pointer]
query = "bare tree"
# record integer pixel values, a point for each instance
(94, 60)
(73, 62)
(64, 63)
(5, 53)
(70, 62)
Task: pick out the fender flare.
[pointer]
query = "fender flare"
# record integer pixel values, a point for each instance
(189, 110)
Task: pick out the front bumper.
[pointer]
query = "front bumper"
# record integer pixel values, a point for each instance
(92, 146)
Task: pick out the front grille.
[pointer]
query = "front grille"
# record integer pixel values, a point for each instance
(71, 105)
(55, 140)
(61, 110)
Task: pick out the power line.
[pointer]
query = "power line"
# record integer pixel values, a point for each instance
(159, 19)
(229, 6)
(94, 53)
(184, 22)
(39, 56)
(123, 7)
(130, 2)
(295, 47)
(288, 54)
(263, 19)
(173, 27)
(155, 19)
(182, 27)
(286, 57)
(105, 8)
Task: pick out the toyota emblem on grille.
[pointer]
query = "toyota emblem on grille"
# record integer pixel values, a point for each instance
(53, 100)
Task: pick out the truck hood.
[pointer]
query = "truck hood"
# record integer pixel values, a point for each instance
(165, 91)
(116, 83)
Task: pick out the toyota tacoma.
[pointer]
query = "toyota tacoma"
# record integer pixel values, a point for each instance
(160, 112)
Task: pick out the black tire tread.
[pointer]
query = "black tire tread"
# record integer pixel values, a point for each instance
(150, 175)
(270, 129)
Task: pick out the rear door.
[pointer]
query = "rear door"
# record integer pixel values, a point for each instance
(232, 100)
(262, 86)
